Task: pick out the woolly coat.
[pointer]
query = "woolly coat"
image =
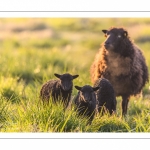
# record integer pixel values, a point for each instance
(125, 68)
(105, 96)
(52, 89)
(87, 109)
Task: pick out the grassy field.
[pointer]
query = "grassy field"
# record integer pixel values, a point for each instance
(33, 49)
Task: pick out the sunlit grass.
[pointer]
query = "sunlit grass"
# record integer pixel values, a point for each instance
(32, 50)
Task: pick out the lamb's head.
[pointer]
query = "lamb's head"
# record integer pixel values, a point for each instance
(86, 92)
(114, 38)
(66, 80)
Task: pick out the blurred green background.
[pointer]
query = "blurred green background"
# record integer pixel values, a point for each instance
(33, 49)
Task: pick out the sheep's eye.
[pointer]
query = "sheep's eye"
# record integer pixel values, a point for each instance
(119, 36)
(105, 35)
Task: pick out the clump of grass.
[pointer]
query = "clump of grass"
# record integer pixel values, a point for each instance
(4, 113)
(109, 123)
(137, 105)
(33, 116)
(11, 89)
(142, 121)
(10, 95)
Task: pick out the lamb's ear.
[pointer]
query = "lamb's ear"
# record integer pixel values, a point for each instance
(125, 33)
(95, 88)
(57, 75)
(75, 76)
(104, 31)
(78, 87)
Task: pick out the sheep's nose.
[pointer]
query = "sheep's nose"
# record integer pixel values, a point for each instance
(65, 87)
(87, 97)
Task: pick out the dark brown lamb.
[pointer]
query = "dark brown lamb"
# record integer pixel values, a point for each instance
(121, 62)
(105, 96)
(58, 89)
(85, 101)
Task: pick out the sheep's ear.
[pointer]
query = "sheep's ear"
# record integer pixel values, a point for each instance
(95, 88)
(57, 75)
(75, 76)
(104, 31)
(78, 87)
(125, 33)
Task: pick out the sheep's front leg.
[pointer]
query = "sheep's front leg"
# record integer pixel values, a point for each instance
(125, 101)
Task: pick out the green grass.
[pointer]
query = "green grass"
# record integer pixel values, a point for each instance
(32, 50)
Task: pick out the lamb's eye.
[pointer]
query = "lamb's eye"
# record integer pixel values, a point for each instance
(119, 36)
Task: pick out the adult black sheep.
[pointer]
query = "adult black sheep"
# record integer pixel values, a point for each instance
(58, 89)
(122, 63)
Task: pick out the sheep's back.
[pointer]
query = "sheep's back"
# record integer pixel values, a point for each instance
(106, 94)
(140, 67)
(49, 88)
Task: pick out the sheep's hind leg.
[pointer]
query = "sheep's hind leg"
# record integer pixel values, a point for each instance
(125, 101)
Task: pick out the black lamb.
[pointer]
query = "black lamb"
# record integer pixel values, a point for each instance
(105, 96)
(58, 89)
(85, 101)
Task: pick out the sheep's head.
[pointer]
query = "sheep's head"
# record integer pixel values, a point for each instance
(66, 80)
(114, 37)
(86, 92)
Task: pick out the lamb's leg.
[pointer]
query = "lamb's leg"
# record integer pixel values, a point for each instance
(125, 100)
(67, 101)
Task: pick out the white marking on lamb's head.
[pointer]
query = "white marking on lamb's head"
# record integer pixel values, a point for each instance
(66, 80)
(86, 92)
